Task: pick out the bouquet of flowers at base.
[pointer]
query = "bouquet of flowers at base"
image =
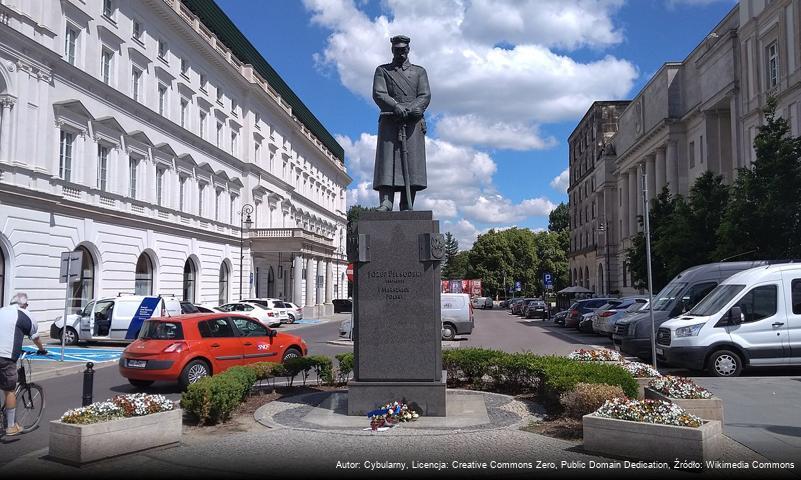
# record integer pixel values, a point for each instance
(391, 414)
(602, 355)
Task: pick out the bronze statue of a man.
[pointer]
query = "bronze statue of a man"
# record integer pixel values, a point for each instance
(401, 91)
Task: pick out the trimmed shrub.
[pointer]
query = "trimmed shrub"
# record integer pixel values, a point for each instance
(516, 371)
(588, 397)
(471, 365)
(345, 368)
(560, 377)
(323, 368)
(213, 399)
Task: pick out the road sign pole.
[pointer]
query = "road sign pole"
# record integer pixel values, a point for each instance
(66, 306)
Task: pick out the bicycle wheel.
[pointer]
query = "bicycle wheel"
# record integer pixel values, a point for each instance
(30, 403)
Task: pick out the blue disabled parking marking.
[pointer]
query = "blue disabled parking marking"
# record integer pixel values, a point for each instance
(74, 354)
(308, 321)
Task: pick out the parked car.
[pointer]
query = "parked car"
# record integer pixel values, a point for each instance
(537, 309)
(186, 348)
(484, 303)
(457, 315)
(265, 315)
(294, 312)
(585, 322)
(274, 304)
(633, 333)
(345, 327)
(605, 317)
(343, 305)
(204, 309)
(113, 318)
(559, 318)
(578, 309)
(750, 319)
(517, 308)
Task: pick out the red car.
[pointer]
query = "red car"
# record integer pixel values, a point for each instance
(186, 348)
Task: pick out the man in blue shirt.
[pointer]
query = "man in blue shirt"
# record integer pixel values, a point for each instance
(15, 323)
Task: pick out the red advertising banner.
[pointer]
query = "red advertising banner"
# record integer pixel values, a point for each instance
(472, 287)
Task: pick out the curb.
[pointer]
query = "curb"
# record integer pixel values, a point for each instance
(342, 343)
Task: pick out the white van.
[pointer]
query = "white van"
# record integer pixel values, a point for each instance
(457, 315)
(753, 318)
(114, 318)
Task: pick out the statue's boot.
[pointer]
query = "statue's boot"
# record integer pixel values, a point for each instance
(387, 196)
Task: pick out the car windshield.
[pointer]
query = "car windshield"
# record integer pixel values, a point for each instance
(664, 299)
(717, 299)
(159, 330)
(635, 306)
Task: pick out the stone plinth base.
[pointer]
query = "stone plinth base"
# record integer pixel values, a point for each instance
(427, 397)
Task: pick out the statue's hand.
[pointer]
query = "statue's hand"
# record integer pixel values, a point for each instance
(416, 112)
(401, 111)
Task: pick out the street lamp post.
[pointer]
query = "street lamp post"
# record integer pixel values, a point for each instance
(648, 264)
(244, 223)
(603, 227)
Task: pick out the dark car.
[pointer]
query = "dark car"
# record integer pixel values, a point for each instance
(342, 305)
(537, 309)
(559, 317)
(578, 309)
(518, 307)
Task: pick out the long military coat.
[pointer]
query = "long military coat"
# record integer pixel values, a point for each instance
(407, 85)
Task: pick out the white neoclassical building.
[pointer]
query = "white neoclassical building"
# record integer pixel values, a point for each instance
(141, 132)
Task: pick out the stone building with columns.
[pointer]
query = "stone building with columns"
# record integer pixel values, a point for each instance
(140, 133)
(702, 114)
(591, 192)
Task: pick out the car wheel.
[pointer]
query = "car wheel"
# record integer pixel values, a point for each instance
(140, 383)
(291, 353)
(71, 336)
(725, 363)
(291, 318)
(192, 372)
(448, 332)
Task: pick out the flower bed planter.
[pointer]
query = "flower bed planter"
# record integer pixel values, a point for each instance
(642, 384)
(651, 441)
(706, 408)
(78, 444)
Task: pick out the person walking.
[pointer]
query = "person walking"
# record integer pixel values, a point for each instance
(15, 323)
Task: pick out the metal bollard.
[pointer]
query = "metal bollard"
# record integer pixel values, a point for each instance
(88, 381)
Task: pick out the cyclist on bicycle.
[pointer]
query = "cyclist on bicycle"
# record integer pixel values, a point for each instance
(15, 322)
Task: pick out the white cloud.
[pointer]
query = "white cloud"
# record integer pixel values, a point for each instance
(471, 48)
(497, 209)
(464, 231)
(471, 130)
(363, 194)
(562, 181)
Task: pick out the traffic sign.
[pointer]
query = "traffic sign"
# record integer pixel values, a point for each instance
(547, 279)
(518, 286)
(349, 272)
(70, 271)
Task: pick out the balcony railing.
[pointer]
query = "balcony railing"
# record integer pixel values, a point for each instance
(298, 233)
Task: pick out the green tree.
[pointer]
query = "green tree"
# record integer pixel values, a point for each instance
(355, 211)
(763, 215)
(451, 249)
(559, 218)
(457, 266)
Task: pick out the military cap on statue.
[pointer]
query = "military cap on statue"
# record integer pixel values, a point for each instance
(399, 41)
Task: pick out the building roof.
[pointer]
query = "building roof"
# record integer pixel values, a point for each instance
(218, 22)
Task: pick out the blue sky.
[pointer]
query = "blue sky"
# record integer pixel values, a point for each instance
(509, 81)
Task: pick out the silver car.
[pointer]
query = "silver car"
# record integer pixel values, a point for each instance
(605, 319)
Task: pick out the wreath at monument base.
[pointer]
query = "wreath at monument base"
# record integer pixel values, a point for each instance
(391, 414)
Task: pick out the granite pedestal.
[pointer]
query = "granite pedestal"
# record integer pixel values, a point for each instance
(396, 312)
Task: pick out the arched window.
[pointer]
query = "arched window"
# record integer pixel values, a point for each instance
(603, 288)
(83, 291)
(223, 288)
(625, 275)
(587, 278)
(2, 277)
(144, 275)
(190, 274)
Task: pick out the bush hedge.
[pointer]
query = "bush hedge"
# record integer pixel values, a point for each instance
(549, 376)
(346, 362)
(587, 398)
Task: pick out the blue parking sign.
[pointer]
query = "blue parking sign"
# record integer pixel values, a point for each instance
(547, 279)
(518, 286)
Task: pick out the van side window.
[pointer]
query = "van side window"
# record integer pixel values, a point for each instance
(796, 296)
(760, 302)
